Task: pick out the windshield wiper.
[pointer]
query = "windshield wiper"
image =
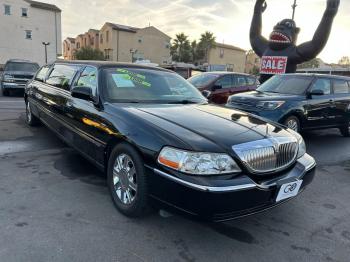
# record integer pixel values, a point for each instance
(185, 102)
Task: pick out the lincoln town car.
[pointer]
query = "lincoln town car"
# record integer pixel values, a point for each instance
(161, 144)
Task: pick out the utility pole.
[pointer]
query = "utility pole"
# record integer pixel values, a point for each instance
(45, 45)
(294, 6)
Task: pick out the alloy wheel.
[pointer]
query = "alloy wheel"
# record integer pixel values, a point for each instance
(293, 124)
(124, 179)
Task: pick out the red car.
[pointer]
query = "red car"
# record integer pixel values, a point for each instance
(218, 86)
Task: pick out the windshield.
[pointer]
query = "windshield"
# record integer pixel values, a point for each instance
(286, 84)
(202, 79)
(134, 85)
(25, 67)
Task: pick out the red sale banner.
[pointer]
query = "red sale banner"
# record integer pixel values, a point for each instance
(273, 65)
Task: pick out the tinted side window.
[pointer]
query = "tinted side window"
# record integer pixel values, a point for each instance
(239, 81)
(340, 87)
(251, 81)
(322, 84)
(61, 76)
(225, 82)
(40, 76)
(88, 78)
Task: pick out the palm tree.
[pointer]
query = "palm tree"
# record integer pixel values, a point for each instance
(181, 48)
(207, 42)
(194, 46)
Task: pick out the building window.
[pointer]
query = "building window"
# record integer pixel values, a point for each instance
(7, 9)
(140, 40)
(101, 39)
(222, 53)
(78, 45)
(167, 45)
(29, 34)
(107, 54)
(24, 12)
(107, 36)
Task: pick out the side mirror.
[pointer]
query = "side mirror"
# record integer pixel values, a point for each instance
(82, 92)
(316, 92)
(206, 93)
(216, 87)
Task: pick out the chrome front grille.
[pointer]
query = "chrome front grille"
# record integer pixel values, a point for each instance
(268, 155)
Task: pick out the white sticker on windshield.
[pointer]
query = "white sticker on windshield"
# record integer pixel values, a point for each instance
(123, 80)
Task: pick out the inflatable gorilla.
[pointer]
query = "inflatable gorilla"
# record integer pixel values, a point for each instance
(280, 54)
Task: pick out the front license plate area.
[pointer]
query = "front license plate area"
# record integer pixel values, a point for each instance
(289, 190)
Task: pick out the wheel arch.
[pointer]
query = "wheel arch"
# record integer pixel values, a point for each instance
(299, 115)
(112, 143)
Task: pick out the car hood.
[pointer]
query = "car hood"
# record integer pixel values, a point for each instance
(256, 95)
(208, 127)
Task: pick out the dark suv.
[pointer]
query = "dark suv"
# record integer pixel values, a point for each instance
(300, 101)
(16, 75)
(218, 86)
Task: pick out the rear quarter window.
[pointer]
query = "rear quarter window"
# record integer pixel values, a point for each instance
(62, 75)
(341, 87)
(251, 81)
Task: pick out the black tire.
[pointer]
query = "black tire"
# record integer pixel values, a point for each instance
(345, 130)
(293, 123)
(5, 92)
(137, 207)
(31, 119)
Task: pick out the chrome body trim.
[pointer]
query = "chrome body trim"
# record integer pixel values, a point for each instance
(205, 188)
(307, 162)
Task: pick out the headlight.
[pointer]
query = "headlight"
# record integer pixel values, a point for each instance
(8, 78)
(301, 143)
(196, 163)
(302, 148)
(270, 105)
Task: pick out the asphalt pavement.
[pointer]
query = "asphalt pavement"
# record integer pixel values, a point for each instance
(55, 206)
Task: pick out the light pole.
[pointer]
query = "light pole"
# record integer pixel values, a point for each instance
(294, 6)
(133, 52)
(45, 45)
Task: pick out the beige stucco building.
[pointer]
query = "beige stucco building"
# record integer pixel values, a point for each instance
(24, 26)
(69, 48)
(129, 44)
(224, 57)
(253, 62)
(124, 43)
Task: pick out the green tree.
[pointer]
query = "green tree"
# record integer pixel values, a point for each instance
(255, 70)
(207, 41)
(194, 46)
(314, 63)
(181, 48)
(88, 53)
(344, 61)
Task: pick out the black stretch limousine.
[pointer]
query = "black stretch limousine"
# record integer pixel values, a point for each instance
(160, 142)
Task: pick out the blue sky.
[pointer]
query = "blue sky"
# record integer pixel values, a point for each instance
(228, 19)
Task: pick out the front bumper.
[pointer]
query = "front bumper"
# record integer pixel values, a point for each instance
(9, 85)
(225, 199)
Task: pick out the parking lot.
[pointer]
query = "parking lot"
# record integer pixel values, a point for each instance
(55, 206)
